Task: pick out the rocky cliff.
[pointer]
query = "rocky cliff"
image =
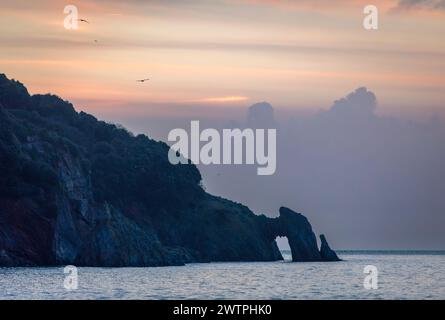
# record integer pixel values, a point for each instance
(76, 190)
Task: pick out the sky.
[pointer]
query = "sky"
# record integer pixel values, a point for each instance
(226, 53)
(365, 165)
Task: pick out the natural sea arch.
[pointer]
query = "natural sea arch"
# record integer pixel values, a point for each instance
(283, 245)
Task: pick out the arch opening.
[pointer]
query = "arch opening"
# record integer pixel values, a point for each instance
(283, 245)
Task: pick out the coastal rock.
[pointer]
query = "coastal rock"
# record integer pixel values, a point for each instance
(327, 254)
(76, 190)
(302, 240)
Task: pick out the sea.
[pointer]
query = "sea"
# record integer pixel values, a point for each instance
(361, 275)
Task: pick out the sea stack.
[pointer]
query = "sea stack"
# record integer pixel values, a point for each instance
(327, 254)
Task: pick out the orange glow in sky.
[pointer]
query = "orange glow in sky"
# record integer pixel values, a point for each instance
(294, 54)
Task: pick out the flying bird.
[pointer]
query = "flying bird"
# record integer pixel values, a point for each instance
(142, 80)
(83, 20)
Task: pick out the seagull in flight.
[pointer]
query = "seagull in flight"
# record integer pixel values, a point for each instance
(142, 80)
(83, 20)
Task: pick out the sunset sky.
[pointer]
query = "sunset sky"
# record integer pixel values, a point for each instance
(226, 53)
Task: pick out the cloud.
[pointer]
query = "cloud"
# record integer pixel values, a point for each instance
(226, 99)
(44, 41)
(360, 103)
(261, 115)
(430, 5)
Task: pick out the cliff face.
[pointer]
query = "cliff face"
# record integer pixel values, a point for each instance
(75, 190)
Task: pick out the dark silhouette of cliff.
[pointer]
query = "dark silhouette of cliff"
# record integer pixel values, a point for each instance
(76, 190)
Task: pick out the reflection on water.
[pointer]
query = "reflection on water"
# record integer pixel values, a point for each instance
(401, 276)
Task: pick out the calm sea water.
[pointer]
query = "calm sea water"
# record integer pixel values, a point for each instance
(402, 275)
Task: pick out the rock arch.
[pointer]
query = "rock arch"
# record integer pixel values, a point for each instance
(302, 240)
